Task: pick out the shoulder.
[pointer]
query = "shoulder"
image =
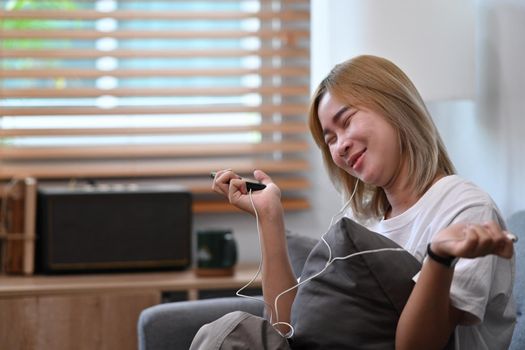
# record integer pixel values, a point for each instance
(459, 200)
(454, 186)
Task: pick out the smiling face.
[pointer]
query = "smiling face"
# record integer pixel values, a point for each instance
(392, 144)
(361, 141)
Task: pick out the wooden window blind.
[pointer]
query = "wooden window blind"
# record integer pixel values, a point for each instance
(145, 90)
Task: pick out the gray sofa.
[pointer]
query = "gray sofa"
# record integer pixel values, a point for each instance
(173, 325)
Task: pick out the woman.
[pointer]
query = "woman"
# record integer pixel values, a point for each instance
(379, 141)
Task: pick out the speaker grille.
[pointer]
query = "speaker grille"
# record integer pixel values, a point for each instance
(105, 230)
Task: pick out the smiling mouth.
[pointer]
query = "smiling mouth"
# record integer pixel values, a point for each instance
(356, 157)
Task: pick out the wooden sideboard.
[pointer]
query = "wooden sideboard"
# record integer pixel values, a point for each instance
(93, 311)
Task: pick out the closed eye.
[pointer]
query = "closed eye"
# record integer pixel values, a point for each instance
(347, 119)
(329, 140)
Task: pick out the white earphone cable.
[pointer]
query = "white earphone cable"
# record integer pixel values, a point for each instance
(328, 263)
(238, 293)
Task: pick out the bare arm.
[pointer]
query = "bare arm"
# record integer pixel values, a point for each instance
(428, 319)
(277, 273)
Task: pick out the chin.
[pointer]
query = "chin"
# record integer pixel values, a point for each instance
(368, 179)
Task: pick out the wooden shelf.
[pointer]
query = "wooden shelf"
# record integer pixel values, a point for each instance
(93, 311)
(18, 286)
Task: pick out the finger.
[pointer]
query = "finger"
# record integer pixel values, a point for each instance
(222, 179)
(495, 231)
(497, 234)
(492, 225)
(219, 173)
(216, 185)
(503, 244)
(471, 242)
(224, 176)
(507, 249)
(492, 240)
(262, 177)
(486, 240)
(236, 187)
(237, 195)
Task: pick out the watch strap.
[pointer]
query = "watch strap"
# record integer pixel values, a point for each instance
(449, 261)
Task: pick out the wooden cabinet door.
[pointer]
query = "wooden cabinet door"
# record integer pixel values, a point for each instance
(84, 321)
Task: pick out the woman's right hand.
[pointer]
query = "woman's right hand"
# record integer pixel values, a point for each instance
(231, 185)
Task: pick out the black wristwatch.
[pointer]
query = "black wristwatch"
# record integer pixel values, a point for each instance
(449, 261)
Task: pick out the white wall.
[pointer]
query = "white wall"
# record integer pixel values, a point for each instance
(424, 38)
(484, 135)
(466, 57)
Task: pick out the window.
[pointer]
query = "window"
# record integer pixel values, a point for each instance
(142, 90)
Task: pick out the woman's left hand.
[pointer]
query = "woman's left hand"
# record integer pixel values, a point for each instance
(472, 241)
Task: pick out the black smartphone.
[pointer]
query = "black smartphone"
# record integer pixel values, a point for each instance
(251, 184)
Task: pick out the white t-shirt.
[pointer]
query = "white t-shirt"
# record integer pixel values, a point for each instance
(482, 287)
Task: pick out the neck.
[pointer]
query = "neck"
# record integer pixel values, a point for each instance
(402, 195)
(400, 201)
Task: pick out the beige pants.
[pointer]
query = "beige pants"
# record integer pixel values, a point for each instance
(236, 331)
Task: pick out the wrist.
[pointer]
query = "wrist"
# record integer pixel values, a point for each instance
(445, 260)
(271, 210)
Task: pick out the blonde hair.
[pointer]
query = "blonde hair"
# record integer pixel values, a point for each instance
(379, 85)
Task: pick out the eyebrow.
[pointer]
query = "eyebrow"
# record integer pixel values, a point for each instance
(337, 116)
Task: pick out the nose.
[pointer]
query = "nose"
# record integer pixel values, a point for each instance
(343, 146)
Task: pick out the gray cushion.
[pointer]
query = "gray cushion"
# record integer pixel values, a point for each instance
(299, 247)
(357, 302)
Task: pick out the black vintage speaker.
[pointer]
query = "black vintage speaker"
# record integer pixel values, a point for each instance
(110, 229)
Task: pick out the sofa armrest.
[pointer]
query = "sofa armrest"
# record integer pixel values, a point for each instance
(173, 325)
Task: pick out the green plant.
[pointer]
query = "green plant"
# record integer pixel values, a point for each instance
(31, 24)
